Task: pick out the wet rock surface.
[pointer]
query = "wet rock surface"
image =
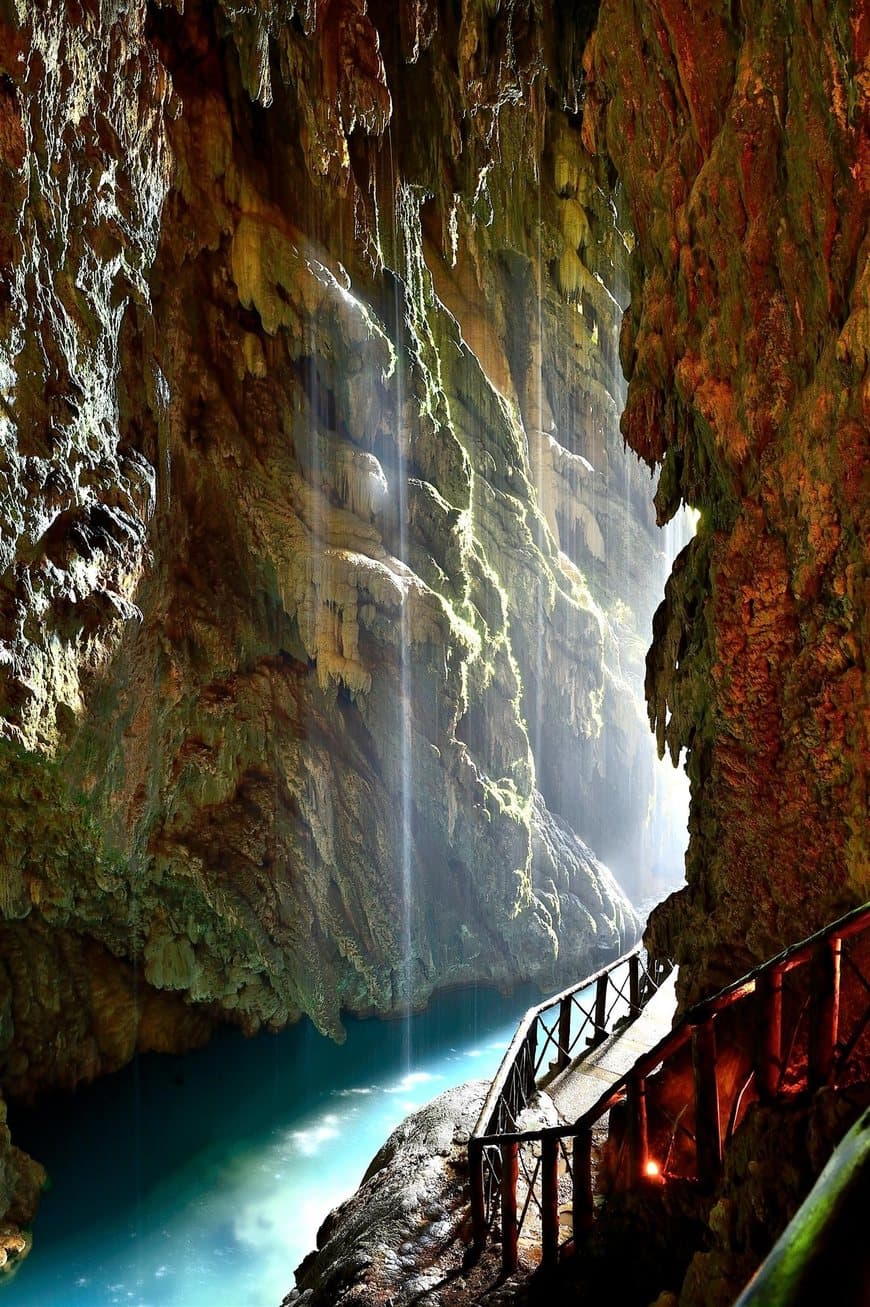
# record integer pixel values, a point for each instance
(404, 1237)
(394, 1239)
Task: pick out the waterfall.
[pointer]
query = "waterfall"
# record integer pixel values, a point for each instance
(406, 777)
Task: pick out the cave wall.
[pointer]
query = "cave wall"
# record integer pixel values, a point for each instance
(740, 132)
(308, 323)
(311, 481)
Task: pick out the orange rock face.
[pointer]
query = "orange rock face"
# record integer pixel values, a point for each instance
(741, 138)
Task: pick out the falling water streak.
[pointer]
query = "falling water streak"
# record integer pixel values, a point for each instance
(406, 691)
(622, 296)
(311, 444)
(539, 478)
(406, 687)
(325, 623)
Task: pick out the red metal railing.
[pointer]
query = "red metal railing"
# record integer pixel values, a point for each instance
(549, 1037)
(799, 1021)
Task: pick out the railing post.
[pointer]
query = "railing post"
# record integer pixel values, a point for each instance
(601, 1008)
(532, 1045)
(770, 1068)
(638, 1144)
(550, 1200)
(563, 1056)
(582, 1205)
(478, 1196)
(708, 1131)
(634, 985)
(510, 1167)
(824, 1011)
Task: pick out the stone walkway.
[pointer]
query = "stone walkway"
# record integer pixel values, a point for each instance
(581, 1084)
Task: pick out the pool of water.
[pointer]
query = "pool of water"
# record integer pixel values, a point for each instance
(200, 1181)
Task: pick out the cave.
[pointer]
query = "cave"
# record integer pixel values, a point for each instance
(434, 521)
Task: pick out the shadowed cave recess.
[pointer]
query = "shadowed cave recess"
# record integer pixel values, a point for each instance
(333, 537)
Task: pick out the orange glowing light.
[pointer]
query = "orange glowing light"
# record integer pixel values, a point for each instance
(653, 1168)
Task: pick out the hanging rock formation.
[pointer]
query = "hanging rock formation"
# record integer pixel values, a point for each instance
(741, 134)
(325, 579)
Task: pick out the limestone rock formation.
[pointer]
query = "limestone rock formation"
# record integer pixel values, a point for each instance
(741, 135)
(325, 578)
(390, 1241)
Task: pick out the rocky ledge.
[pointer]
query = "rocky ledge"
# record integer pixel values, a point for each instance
(400, 1235)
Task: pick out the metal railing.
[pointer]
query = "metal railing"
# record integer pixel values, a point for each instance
(801, 1020)
(549, 1037)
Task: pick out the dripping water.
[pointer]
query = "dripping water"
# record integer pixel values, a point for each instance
(406, 764)
(406, 774)
(540, 473)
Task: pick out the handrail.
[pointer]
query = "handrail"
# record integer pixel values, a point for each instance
(852, 923)
(827, 1058)
(524, 1067)
(531, 1016)
(646, 1063)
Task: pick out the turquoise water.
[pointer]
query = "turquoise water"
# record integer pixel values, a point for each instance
(201, 1180)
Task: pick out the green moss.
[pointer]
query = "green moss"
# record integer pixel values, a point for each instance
(54, 838)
